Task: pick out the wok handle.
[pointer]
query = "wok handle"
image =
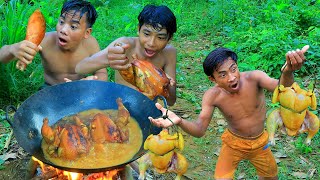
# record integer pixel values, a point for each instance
(162, 98)
(9, 109)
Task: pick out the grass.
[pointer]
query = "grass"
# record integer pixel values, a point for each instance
(261, 35)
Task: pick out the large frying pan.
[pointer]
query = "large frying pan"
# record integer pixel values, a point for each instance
(65, 99)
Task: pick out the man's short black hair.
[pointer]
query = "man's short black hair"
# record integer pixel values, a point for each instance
(82, 7)
(214, 60)
(159, 17)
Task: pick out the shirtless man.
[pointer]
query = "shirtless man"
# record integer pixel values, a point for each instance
(241, 99)
(157, 24)
(62, 49)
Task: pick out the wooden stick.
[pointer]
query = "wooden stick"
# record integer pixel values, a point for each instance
(8, 141)
(46, 175)
(32, 168)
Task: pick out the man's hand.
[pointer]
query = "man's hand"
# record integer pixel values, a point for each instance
(295, 59)
(90, 78)
(86, 78)
(117, 56)
(170, 120)
(25, 51)
(171, 81)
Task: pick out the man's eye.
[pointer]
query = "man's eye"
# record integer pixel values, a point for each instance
(146, 34)
(73, 27)
(60, 22)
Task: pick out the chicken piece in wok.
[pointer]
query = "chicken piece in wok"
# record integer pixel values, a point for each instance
(104, 129)
(122, 120)
(67, 141)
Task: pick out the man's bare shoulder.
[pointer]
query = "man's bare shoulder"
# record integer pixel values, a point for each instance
(170, 49)
(52, 34)
(215, 90)
(212, 94)
(91, 44)
(252, 75)
(170, 54)
(91, 40)
(260, 78)
(49, 39)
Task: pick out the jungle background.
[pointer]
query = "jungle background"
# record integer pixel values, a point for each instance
(260, 31)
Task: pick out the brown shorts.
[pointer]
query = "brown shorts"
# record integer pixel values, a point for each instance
(235, 148)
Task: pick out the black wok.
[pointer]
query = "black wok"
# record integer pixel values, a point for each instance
(66, 99)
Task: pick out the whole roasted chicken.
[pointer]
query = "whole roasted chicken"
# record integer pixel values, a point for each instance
(104, 129)
(164, 154)
(149, 79)
(293, 113)
(68, 141)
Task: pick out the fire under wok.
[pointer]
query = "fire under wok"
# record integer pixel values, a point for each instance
(70, 98)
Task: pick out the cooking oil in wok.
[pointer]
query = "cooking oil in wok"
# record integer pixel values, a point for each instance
(101, 155)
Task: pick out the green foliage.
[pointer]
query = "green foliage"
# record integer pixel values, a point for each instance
(301, 146)
(260, 35)
(5, 131)
(263, 34)
(13, 26)
(17, 85)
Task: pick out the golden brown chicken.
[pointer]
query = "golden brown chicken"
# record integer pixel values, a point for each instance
(47, 132)
(66, 140)
(122, 120)
(73, 143)
(103, 129)
(149, 79)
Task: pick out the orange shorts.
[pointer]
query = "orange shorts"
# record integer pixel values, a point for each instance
(235, 148)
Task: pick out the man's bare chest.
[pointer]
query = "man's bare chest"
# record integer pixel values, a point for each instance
(245, 103)
(65, 56)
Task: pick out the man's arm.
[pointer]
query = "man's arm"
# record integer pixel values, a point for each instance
(195, 128)
(5, 55)
(170, 70)
(24, 51)
(264, 80)
(102, 74)
(294, 61)
(112, 56)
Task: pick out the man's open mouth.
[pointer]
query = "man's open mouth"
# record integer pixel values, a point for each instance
(150, 53)
(233, 86)
(62, 41)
